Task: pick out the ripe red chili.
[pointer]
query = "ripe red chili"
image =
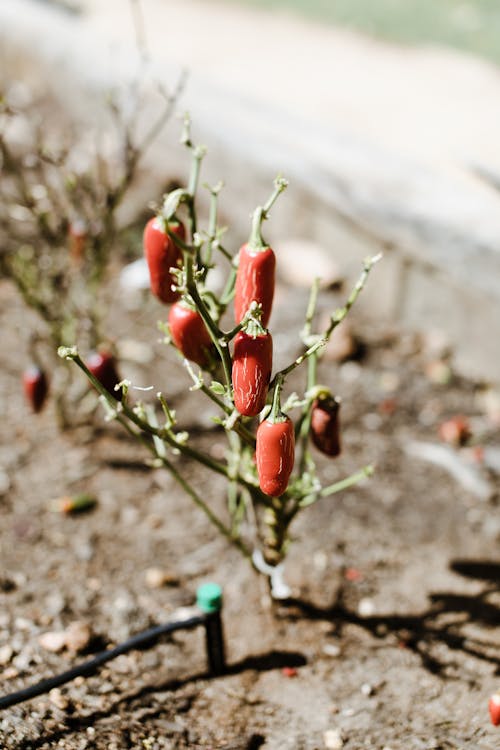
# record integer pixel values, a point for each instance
(325, 429)
(252, 365)
(162, 254)
(255, 281)
(275, 454)
(189, 333)
(103, 366)
(36, 387)
(494, 708)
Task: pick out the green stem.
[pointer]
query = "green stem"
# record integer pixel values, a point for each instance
(311, 310)
(256, 241)
(276, 414)
(306, 462)
(332, 489)
(212, 225)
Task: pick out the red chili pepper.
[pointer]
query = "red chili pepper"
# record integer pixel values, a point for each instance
(252, 365)
(325, 432)
(78, 233)
(494, 708)
(36, 387)
(102, 365)
(189, 333)
(275, 453)
(275, 449)
(255, 281)
(162, 254)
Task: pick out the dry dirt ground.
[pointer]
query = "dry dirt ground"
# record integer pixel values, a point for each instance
(393, 628)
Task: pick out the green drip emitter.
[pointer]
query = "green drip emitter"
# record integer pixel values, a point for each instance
(209, 602)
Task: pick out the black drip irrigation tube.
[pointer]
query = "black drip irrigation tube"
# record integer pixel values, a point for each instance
(209, 605)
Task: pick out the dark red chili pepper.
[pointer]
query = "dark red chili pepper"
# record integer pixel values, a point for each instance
(162, 254)
(189, 333)
(325, 428)
(102, 365)
(78, 234)
(36, 387)
(275, 454)
(255, 281)
(252, 365)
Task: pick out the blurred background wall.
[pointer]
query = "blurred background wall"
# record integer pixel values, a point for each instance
(383, 114)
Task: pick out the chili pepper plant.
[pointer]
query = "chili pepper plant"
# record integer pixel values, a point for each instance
(59, 225)
(269, 468)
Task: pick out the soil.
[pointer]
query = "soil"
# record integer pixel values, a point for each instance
(391, 639)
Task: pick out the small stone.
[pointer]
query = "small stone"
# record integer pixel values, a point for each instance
(320, 560)
(78, 635)
(366, 607)
(331, 649)
(22, 623)
(6, 654)
(10, 673)
(438, 372)
(333, 739)
(350, 372)
(367, 689)
(157, 577)
(58, 699)
(53, 641)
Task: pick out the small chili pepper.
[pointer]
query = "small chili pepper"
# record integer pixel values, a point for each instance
(255, 275)
(162, 254)
(74, 504)
(325, 432)
(189, 333)
(103, 366)
(494, 708)
(78, 233)
(36, 387)
(455, 431)
(252, 365)
(275, 449)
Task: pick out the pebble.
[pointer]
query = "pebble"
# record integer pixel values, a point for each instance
(55, 604)
(10, 673)
(331, 649)
(53, 641)
(320, 560)
(157, 577)
(77, 636)
(333, 739)
(366, 607)
(58, 699)
(367, 689)
(6, 654)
